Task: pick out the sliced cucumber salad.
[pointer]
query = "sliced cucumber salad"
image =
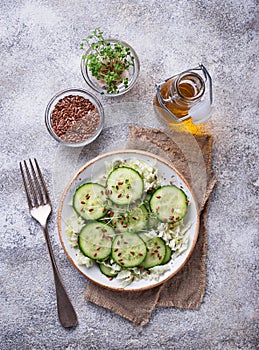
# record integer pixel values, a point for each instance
(131, 223)
(90, 201)
(95, 240)
(124, 185)
(128, 249)
(169, 203)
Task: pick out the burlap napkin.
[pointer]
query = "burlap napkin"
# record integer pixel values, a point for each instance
(186, 288)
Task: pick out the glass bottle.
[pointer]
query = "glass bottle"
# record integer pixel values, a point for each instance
(184, 96)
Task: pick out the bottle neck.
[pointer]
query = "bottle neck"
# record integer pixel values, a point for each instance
(188, 87)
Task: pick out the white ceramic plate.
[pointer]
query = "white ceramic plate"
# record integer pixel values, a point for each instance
(92, 171)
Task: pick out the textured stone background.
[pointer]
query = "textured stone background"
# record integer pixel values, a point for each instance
(40, 56)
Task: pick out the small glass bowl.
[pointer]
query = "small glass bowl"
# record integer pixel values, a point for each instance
(132, 73)
(74, 92)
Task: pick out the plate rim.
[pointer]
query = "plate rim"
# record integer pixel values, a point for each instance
(121, 152)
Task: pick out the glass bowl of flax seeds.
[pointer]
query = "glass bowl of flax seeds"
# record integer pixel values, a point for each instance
(74, 117)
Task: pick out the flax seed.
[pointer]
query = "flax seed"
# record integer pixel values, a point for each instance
(75, 119)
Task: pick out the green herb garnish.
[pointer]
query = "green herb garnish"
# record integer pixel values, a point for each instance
(107, 61)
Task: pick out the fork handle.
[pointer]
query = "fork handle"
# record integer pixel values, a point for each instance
(66, 312)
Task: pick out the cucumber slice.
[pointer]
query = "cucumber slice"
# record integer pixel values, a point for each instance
(169, 203)
(124, 185)
(106, 270)
(133, 220)
(168, 254)
(128, 250)
(156, 251)
(95, 240)
(144, 237)
(90, 201)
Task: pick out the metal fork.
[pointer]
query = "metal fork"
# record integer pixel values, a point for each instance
(40, 209)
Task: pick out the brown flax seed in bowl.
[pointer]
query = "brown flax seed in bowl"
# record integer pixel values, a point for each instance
(75, 119)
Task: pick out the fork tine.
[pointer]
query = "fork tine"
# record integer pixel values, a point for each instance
(26, 187)
(31, 185)
(42, 181)
(36, 181)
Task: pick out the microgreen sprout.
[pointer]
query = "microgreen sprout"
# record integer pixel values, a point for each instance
(107, 61)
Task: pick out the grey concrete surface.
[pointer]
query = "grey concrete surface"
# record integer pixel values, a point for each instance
(39, 56)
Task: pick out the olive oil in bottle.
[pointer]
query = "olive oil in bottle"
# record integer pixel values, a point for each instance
(181, 98)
